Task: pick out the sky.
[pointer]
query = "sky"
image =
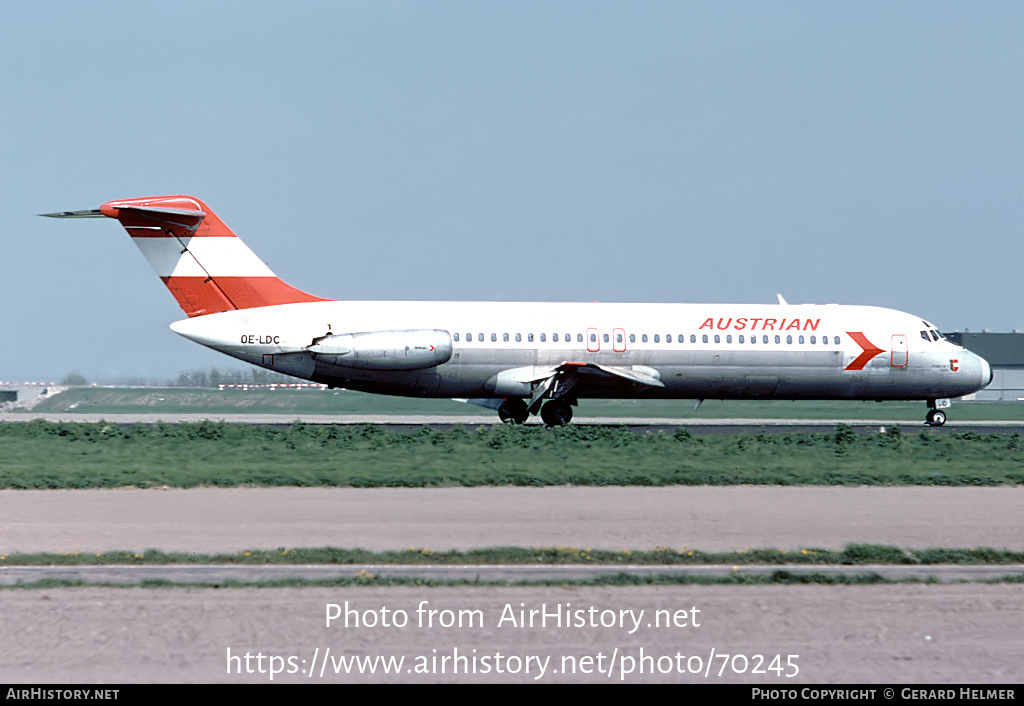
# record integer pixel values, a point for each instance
(858, 153)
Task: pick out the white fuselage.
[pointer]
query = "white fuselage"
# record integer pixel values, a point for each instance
(500, 349)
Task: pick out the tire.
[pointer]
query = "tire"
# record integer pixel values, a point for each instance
(556, 413)
(513, 410)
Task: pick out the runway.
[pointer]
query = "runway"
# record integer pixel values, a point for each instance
(778, 636)
(703, 425)
(902, 633)
(720, 518)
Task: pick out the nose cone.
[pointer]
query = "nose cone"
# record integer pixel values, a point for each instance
(978, 373)
(986, 372)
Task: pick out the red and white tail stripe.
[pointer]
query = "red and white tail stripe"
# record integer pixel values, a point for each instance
(205, 266)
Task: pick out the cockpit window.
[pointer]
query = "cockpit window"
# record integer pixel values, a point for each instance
(924, 335)
(935, 334)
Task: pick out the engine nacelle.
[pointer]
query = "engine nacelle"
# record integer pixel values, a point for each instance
(385, 350)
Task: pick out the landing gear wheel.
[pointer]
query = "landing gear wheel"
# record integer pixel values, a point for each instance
(513, 410)
(935, 418)
(556, 413)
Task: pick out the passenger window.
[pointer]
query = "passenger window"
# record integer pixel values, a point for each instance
(618, 338)
(800, 339)
(668, 338)
(728, 339)
(529, 337)
(644, 338)
(693, 338)
(504, 337)
(778, 339)
(593, 338)
(494, 338)
(605, 338)
(789, 339)
(480, 337)
(632, 338)
(657, 338)
(543, 338)
(836, 340)
(579, 338)
(765, 338)
(519, 338)
(456, 337)
(718, 339)
(704, 338)
(554, 337)
(741, 340)
(814, 339)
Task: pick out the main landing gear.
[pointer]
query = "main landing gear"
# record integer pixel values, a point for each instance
(555, 413)
(513, 410)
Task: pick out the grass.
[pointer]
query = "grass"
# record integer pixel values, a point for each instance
(41, 454)
(851, 555)
(780, 577)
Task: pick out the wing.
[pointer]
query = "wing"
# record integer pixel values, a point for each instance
(571, 376)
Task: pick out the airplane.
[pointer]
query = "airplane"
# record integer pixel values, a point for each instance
(525, 358)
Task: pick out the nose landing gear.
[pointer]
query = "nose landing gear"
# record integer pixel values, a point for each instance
(936, 417)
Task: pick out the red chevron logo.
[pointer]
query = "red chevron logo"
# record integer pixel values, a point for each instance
(869, 348)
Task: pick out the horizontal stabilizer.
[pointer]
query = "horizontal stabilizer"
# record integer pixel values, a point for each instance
(91, 213)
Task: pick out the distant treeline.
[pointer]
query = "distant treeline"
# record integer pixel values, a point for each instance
(214, 377)
(195, 378)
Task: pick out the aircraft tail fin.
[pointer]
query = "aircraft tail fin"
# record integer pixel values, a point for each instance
(204, 264)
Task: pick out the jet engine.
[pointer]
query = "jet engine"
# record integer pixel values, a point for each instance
(384, 350)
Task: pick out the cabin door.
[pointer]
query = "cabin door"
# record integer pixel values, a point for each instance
(898, 357)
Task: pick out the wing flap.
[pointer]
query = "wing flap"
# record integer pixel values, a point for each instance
(640, 374)
(570, 376)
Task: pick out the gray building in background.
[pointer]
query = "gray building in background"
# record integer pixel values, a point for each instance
(1005, 353)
